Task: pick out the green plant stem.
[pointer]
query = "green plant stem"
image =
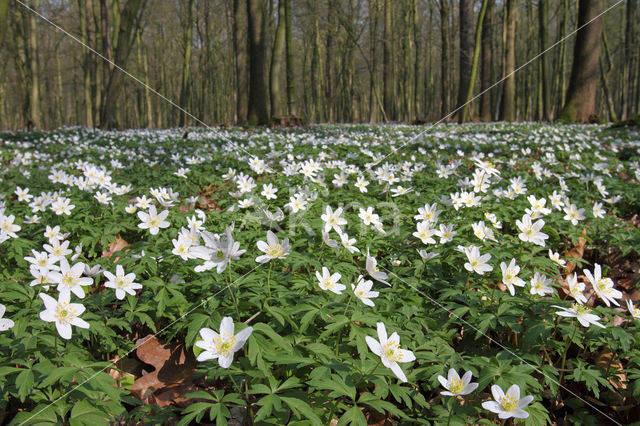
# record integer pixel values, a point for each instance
(238, 388)
(366, 376)
(269, 279)
(566, 349)
(453, 403)
(233, 297)
(342, 329)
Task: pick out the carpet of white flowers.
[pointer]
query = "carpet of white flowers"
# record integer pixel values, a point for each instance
(321, 275)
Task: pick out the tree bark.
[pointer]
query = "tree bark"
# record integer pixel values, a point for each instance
(417, 65)
(258, 113)
(486, 70)
(185, 86)
(275, 73)
(329, 63)
(508, 105)
(466, 55)
(543, 15)
(387, 64)
(291, 79)
(240, 49)
(4, 19)
(580, 105)
(130, 19)
(444, 56)
(35, 115)
(373, 29)
(86, 60)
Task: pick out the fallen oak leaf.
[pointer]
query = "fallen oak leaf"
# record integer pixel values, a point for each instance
(576, 252)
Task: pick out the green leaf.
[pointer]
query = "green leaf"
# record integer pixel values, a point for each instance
(353, 416)
(84, 413)
(24, 383)
(301, 408)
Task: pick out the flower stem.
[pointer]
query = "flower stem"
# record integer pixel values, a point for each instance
(566, 349)
(233, 297)
(238, 388)
(453, 403)
(269, 279)
(366, 376)
(342, 329)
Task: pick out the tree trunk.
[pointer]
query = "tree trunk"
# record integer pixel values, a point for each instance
(240, 49)
(4, 19)
(373, 29)
(581, 95)
(387, 64)
(291, 79)
(630, 42)
(329, 63)
(258, 113)
(508, 105)
(444, 56)
(486, 71)
(185, 87)
(543, 15)
(86, 60)
(417, 64)
(130, 19)
(466, 55)
(35, 116)
(275, 74)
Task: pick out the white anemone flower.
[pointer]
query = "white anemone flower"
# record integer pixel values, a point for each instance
(272, 249)
(508, 405)
(63, 313)
(121, 283)
(603, 286)
(374, 272)
(328, 281)
(581, 313)
(5, 323)
(455, 386)
(152, 220)
(224, 345)
(388, 349)
(363, 291)
(477, 263)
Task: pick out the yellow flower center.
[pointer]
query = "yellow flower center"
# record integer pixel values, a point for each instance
(509, 403)
(224, 344)
(455, 386)
(68, 280)
(274, 251)
(391, 353)
(64, 313)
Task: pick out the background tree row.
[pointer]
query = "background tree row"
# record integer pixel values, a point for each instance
(248, 61)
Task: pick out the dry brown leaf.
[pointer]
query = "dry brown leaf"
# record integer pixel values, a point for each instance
(114, 247)
(173, 368)
(576, 252)
(606, 360)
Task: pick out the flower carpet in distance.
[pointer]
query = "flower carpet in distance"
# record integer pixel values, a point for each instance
(481, 273)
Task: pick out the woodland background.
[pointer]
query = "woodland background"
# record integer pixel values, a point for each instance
(250, 61)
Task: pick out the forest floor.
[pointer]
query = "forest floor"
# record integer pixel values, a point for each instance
(329, 274)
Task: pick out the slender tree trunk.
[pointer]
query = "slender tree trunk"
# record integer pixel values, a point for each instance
(86, 60)
(258, 113)
(329, 62)
(466, 55)
(130, 22)
(35, 115)
(185, 87)
(486, 74)
(630, 43)
(444, 56)
(316, 73)
(581, 95)
(290, 48)
(4, 20)
(275, 75)
(373, 30)
(387, 73)
(563, 54)
(417, 64)
(240, 49)
(508, 105)
(544, 78)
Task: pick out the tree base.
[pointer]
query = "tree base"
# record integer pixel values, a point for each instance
(629, 122)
